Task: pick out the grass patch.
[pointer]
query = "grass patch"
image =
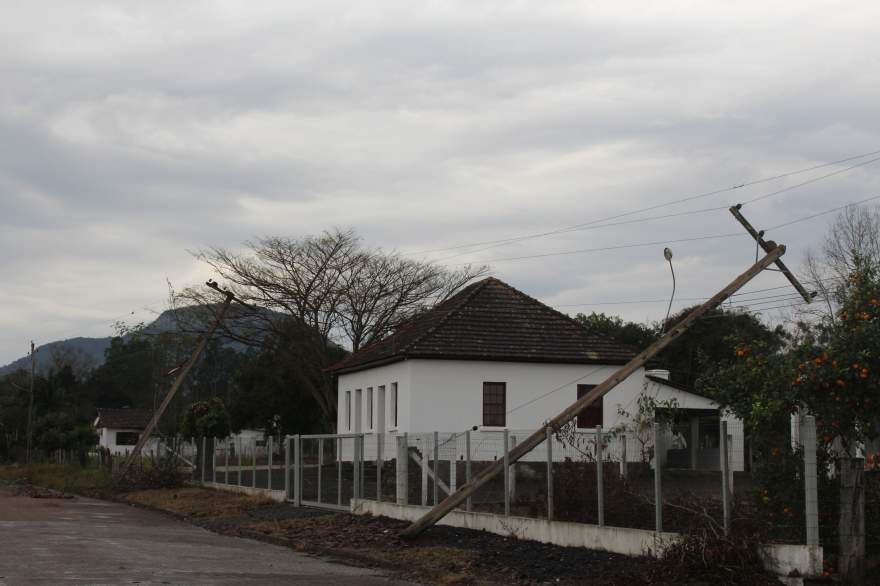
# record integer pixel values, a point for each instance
(198, 502)
(64, 478)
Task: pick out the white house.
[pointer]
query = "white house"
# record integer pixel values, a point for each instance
(493, 358)
(119, 430)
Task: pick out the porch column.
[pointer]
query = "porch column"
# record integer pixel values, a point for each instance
(694, 441)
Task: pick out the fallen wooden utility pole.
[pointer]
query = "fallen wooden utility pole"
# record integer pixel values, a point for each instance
(535, 439)
(181, 376)
(768, 246)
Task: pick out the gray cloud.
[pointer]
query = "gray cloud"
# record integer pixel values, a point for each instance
(131, 132)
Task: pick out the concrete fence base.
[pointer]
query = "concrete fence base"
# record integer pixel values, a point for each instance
(783, 560)
(634, 542)
(275, 495)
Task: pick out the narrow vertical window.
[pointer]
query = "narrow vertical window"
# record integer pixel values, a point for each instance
(394, 403)
(369, 407)
(589, 416)
(494, 404)
(348, 410)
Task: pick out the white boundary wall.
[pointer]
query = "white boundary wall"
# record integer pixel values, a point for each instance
(783, 560)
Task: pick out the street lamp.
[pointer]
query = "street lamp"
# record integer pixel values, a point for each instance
(667, 254)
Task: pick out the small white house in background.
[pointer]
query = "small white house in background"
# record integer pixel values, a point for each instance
(495, 358)
(119, 430)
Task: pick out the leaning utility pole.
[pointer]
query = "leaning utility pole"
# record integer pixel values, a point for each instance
(535, 439)
(774, 252)
(30, 419)
(181, 376)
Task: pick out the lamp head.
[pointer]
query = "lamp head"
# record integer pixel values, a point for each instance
(667, 253)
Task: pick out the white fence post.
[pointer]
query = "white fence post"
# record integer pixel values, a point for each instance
(811, 495)
(623, 466)
(379, 437)
(238, 451)
(402, 470)
(725, 478)
(600, 487)
(214, 460)
(226, 462)
(297, 470)
(658, 493)
(269, 443)
(424, 471)
(467, 466)
(339, 463)
(204, 455)
(253, 465)
(320, 467)
(513, 472)
(549, 473)
(287, 467)
(506, 473)
(436, 467)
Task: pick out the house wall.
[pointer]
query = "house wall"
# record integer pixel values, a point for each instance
(107, 439)
(398, 373)
(447, 395)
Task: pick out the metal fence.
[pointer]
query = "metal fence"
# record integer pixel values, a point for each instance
(588, 476)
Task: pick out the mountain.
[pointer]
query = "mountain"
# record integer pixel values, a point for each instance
(89, 352)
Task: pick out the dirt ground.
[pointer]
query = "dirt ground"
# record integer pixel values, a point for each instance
(443, 555)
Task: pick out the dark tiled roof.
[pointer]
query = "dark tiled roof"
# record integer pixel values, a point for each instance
(123, 418)
(490, 320)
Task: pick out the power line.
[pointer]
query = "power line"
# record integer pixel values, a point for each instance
(551, 391)
(618, 247)
(813, 180)
(595, 227)
(826, 212)
(659, 300)
(659, 242)
(671, 202)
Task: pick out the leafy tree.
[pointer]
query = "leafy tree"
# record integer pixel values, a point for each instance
(269, 395)
(710, 341)
(837, 375)
(706, 343)
(61, 431)
(205, 419)
(634, 334)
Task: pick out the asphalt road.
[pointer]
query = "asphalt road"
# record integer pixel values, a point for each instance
(85, 541)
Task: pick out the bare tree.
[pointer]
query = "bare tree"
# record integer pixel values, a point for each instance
(314, 293)
(855, 234)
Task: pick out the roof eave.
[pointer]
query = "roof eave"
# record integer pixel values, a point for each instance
(479, 358)
(368, 365)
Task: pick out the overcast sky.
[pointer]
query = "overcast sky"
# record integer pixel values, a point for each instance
(131, 132)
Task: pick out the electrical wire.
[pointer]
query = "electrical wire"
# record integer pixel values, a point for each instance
(826, 212)
(692, 239)
(551, 391)
(618, 247)
(671, 202)
(812, 180)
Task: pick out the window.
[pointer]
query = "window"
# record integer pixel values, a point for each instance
(494, 404)
(381, 409)
(348, 410)
(394, 404)
(127, 438)
(370, 408)
(590, 416)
